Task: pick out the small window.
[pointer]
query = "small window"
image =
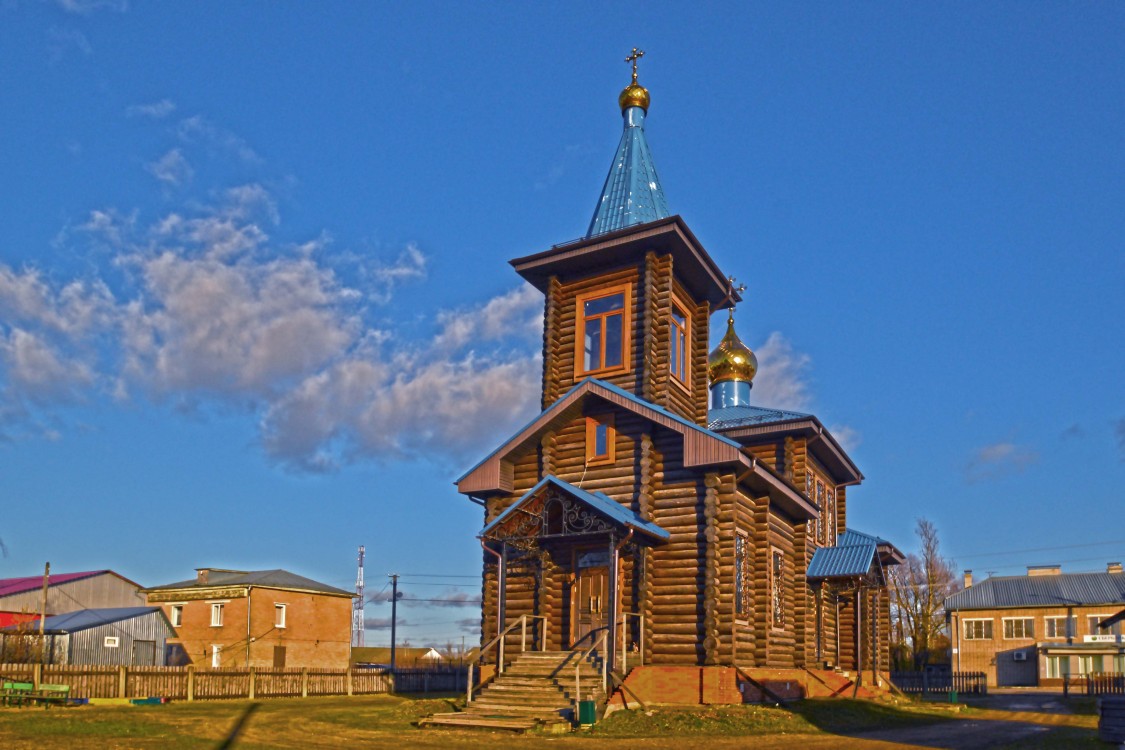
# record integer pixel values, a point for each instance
(1056, 666)
(1056, 627)
(112, 641)
(978, 630)
(1017, 628)
(600, 439)
(603, 332)
(216, 615)
(279, 615)
(1093, 621)
(177, 615)
(742, 576)
(679, 334)
(216, 657)
(777, 587)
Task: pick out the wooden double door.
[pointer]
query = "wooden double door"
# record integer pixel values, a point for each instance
(591, 607)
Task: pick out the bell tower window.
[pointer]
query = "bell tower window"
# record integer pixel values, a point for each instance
(679, 334)
(603, 332)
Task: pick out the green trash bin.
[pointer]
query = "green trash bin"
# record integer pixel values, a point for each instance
(952, 696)
(587, 712)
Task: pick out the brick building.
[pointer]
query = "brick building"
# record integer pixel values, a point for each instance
(263, 618)
(1039, 628)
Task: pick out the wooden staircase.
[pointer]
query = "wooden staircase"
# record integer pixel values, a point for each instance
(535, 692)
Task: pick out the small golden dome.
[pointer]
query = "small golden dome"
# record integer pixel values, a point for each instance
(634, 95)
(732, 359)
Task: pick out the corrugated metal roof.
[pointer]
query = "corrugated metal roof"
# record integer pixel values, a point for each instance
(92, 618)
(9, 586)
(280, 579)
(1041, 591)
(747, 416)
(851, 557)
(597, 501)
(632, 193)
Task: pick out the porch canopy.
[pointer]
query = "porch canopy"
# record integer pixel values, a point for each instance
(855, 556)
(555, 510)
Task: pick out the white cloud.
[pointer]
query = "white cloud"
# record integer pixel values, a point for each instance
(848, 438)
(86, 7)
(155, 110)
(998, 460)
(197, 129)
(781, 382)
(172, 168)
(211, 312)
(518, 313)
(62, 41)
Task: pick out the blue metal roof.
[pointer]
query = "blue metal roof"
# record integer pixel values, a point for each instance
(850, 558)
(597, 501)
(746, 416)
(85, 619)
(1041, 591)
(632, 193)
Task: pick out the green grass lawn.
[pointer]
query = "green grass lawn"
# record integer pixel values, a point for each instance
(389, 721)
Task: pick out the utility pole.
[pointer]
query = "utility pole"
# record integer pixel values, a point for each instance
(43, 610)
(358, 625)
(394, 614)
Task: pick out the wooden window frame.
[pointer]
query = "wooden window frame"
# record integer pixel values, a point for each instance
(965, 631)
(743, 597)
(280, 614)
(592, 425)
(678, 304)
(776, 592)
(1068, 632)
(176, 614)
(580, 370)
(1025, 637)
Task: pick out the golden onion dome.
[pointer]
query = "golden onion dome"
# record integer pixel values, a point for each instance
(634, 95)
(732, 360)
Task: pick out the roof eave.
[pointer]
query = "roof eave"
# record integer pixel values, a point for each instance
(698, 270)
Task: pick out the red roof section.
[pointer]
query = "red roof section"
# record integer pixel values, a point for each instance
(9, 586)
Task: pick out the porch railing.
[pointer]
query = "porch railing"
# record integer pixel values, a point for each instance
(520, 622)
(1105, 683)
(599, 640)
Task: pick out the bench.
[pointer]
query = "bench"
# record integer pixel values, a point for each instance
(15, 693)
(48, 694)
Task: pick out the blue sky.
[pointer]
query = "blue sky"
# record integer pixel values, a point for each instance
(255, 306)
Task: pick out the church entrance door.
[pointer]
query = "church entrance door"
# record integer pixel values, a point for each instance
(591, 600)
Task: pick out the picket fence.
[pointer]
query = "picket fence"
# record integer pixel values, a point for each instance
(189, 683)
(1105, 683)
(920, 683)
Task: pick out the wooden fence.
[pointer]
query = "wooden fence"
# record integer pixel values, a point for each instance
(188, 683)
(920, 683)
(1105, 683)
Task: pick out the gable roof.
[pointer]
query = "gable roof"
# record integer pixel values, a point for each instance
(84, 619)
(1041, 591)
(274, 579)
(702, 447)
(752, 423)
(10, 586)
(852, 556)
(597, 501)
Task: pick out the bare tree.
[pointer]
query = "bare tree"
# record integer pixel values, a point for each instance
(918, 591)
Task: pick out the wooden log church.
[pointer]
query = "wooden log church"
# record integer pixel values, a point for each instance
(652, 503)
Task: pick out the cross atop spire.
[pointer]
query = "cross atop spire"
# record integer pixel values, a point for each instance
(637, 55)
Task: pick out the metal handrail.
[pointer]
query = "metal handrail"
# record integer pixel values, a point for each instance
(624, 647)
(578, 664)
(521, 621)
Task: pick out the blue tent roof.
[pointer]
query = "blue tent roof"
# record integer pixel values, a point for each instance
(597, 501)
(632, 193)
(744, 416)
(850, 558)
(84, 619)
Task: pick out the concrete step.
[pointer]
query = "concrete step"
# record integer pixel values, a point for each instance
(514, 724)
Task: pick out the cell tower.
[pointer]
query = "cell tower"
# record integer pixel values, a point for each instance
(357, 605)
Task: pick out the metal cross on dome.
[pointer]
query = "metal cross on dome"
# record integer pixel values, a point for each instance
(637, 55)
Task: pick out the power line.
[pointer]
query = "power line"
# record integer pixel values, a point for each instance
(1038, 549)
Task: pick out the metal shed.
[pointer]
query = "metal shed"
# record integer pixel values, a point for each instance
(129, 636)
